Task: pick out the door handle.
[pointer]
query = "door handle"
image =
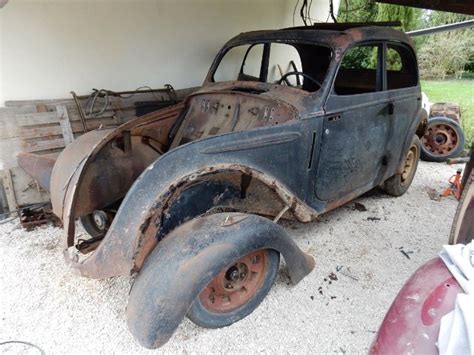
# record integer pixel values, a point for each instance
(391, 108)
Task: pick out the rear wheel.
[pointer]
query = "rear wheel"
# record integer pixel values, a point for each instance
(398, 184)
(443, 139)
(96, 223)
(236, 291)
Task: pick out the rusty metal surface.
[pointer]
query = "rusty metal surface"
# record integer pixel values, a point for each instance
(97, 156)
(33, 217)
(189, 258)
(462, 230)
(240, 146)
(446, 109)
(412, 324)
(37, 166)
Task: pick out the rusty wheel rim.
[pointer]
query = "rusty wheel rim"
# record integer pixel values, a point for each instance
(440, 139)
(236, 284)
(410, 163)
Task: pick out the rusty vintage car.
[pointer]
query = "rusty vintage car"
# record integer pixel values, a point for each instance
(288, 124)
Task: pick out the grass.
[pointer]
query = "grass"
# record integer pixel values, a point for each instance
(458, 91)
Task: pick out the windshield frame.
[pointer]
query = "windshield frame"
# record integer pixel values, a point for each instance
(252, 42)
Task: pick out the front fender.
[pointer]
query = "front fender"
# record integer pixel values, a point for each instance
(268, 154)
(188, 259)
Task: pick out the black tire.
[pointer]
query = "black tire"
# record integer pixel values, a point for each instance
(91, 226)
(204, 317)
(398, 184)
(438, 145)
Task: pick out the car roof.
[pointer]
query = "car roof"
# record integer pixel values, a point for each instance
(335, 35)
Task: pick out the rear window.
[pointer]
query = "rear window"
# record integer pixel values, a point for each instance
(358, 71)
(401, 67)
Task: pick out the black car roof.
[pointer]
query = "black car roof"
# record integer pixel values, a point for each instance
(339, 35)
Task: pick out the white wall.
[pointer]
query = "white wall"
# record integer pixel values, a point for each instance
(50, 47)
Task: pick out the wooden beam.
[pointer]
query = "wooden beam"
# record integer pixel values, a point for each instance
(65, 124)
(9, 190)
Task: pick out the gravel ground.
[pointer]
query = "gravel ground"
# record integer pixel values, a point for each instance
(45, 304)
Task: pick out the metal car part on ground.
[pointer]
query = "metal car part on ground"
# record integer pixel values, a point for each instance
(254, 144)
(444, 137)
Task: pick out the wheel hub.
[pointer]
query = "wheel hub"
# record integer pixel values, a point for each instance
(100, 219)
(410, 164)
(236, 284)
(440, 139)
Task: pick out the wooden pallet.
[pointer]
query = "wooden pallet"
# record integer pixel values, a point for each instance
(45, 127)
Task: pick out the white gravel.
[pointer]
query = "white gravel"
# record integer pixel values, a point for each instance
(42, 302)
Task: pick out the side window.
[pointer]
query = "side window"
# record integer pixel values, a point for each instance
(253, 62)
(246, 57)
(358, 71)
(401, 67)
(284, 58)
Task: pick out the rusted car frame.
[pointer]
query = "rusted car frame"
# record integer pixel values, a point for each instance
(251, 146)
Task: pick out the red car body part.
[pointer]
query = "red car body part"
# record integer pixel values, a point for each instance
(411, 325)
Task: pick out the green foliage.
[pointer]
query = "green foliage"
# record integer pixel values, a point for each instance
(357, 11)
(368, 11)
(408, 16)
(394, 62)
(360, 58)
(446, 53)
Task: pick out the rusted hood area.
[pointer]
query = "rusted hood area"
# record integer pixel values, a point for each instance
(220, 111)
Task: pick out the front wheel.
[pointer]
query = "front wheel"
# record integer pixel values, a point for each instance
(398, 184)
(236, 291)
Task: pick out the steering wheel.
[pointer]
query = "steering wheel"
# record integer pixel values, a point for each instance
(306, 76)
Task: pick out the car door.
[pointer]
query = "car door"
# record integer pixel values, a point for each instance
(405, 96)
(352, 156)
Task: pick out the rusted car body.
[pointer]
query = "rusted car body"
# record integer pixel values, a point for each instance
(250, 145)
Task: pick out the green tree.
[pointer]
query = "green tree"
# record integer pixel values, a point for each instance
(445, 53)
(368, 11)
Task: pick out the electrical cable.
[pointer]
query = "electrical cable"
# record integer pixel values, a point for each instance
(302, 11)
(24, 343)
(331, 11)
(294, 11)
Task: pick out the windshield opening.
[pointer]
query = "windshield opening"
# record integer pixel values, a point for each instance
(298, 65)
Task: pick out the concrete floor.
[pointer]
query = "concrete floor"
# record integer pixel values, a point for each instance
(42, 302)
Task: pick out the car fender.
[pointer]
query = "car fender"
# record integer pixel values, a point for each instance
(187, 259)
(132, 234)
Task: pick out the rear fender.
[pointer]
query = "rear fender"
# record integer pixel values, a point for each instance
(186, 261)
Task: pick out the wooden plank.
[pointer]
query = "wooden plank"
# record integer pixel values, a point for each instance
(26, 190)
(32, 147)
(9, 190)
(9, 148)
(65, 124)
(21, 103)
(93, 124)
(32, 119)
(37, 132)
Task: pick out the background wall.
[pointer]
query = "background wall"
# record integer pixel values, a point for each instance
(50, 47)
